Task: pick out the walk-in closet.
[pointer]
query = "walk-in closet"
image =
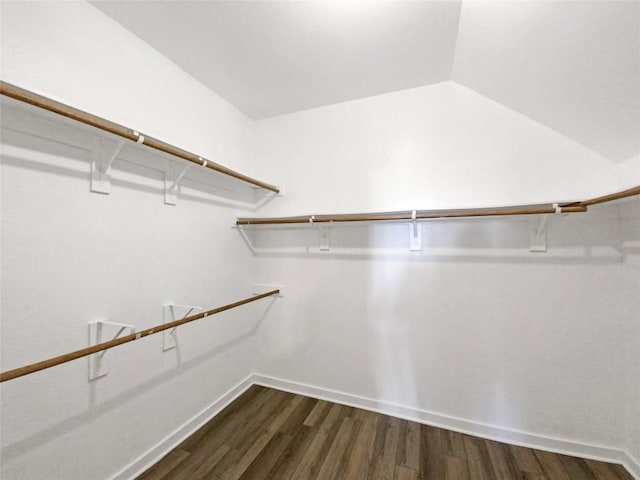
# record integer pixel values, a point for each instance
(320, 239)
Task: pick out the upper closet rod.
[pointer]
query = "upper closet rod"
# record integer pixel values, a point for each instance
(45, 103)
(410, 215)
(607, 198)
(432, 214)
(67, 357)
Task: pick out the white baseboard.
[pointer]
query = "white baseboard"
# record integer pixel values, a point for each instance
(540, 442)
(172, 440)
(632, 464)
(492, 432)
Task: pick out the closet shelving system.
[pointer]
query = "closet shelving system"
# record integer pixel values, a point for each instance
(416, 215)
(537, 234)
(109, 129)
(67, 357)
(117, 130)
(119, 135)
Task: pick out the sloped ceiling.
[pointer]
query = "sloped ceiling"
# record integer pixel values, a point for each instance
(269, 58)
(571, 65)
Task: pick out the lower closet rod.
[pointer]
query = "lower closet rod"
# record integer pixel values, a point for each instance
(67, 357)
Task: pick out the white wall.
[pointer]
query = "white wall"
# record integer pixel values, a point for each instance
(631, 242)
(475, 330)
(74, 53)
(573, 66)
(441, 146)
(70, 256)
(475, 327)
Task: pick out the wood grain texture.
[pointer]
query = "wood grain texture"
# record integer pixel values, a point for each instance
(552, 465)
(404, 473)
(360, 460)
(270, 434)
(526, 460)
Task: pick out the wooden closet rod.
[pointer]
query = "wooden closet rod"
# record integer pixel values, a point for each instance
(67, 357)
(408, 215)
(629, 192)
(54, 106)
(433, 214)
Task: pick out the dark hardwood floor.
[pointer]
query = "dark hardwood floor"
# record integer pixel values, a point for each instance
(270, 434)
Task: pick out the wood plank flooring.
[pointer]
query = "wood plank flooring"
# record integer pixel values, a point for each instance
(270, 434)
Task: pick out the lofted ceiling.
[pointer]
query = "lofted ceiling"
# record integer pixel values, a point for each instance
(269, 58)
(573, 66)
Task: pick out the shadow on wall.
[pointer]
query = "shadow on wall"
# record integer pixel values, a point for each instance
(475, 315)
(136, 177)
(473, 327)
(34, 143)
(584, 238)
(43, 437)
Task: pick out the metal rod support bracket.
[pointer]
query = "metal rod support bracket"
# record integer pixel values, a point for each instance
(99, 332)
(172, 178)
(171, 313)
(538, 234)
(415, 234)
(102, 157)
(325, 237)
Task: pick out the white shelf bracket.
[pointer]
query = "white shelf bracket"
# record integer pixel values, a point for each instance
(102, 157)
(262, 198)
(538, 234)
(172, 179)
(99, 332)
(171, 313)
(325, 237)
(260, 288)
(415, 234)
